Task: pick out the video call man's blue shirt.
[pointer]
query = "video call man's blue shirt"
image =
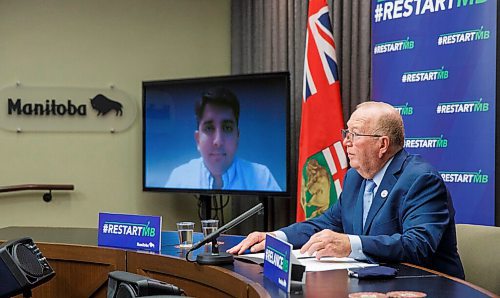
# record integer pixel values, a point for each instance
(241, 175)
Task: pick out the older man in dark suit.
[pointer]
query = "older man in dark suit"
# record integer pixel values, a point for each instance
(394, 206)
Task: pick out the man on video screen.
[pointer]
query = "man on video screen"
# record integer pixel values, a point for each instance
(217, 137)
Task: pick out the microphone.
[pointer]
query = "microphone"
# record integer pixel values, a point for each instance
(216, 257)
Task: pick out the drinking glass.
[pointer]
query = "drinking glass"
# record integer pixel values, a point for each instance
(208, 226)
(185, 230)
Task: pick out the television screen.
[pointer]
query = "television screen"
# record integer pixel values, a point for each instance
(217, 135)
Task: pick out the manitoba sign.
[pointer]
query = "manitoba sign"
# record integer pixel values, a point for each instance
(65, 109)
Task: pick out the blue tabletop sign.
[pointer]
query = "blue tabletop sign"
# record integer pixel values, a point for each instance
(139, 232)
(277, 265)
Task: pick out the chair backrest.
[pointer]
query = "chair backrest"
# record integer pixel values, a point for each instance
(479, 248)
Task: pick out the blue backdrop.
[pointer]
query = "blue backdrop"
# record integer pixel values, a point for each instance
(436, 62)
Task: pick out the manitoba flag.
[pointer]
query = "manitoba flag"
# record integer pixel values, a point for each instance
(322, 159)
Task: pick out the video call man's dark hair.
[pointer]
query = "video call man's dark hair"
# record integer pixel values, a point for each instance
(218, 97)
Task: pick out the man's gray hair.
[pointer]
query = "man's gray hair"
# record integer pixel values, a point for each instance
(388, 122)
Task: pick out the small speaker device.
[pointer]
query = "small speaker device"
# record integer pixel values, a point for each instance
(123, 284)
(22, 267)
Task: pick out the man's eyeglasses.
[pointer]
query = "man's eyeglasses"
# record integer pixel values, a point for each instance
(349, 135)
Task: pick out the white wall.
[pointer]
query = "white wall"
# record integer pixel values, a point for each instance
(92, 43)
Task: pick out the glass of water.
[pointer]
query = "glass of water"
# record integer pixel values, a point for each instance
(208, 226)
(185, 230)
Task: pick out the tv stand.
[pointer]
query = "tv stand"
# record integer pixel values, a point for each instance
(206, 206)
(266, 201)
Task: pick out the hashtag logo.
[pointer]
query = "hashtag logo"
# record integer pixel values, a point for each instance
(438, 109)
(440, 40)
(105, 228)
(403, 78)
(378, 12)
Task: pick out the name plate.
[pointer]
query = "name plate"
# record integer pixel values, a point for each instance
(138, 232)
(277, 265)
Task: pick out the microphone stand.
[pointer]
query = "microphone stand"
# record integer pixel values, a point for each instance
(216, 257)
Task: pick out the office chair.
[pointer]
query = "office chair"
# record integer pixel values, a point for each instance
(478, 247)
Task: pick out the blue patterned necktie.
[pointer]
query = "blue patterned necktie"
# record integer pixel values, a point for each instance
(367, 198)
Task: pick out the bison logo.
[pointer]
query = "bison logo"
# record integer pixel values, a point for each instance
(103, 105)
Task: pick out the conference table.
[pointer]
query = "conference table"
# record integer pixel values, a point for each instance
(82, 270)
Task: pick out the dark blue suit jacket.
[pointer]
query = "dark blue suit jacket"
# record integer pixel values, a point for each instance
(414, 223)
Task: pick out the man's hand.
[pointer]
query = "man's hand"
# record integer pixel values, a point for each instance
(256, 241)
(328, 243)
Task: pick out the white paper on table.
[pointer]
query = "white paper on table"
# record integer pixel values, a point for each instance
(324, 264)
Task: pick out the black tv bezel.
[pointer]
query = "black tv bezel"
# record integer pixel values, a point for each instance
(210, 192)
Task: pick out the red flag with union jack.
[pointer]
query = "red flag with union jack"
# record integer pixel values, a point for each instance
(322, 159)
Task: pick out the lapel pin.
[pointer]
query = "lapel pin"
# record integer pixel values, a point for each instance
(384, 193)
